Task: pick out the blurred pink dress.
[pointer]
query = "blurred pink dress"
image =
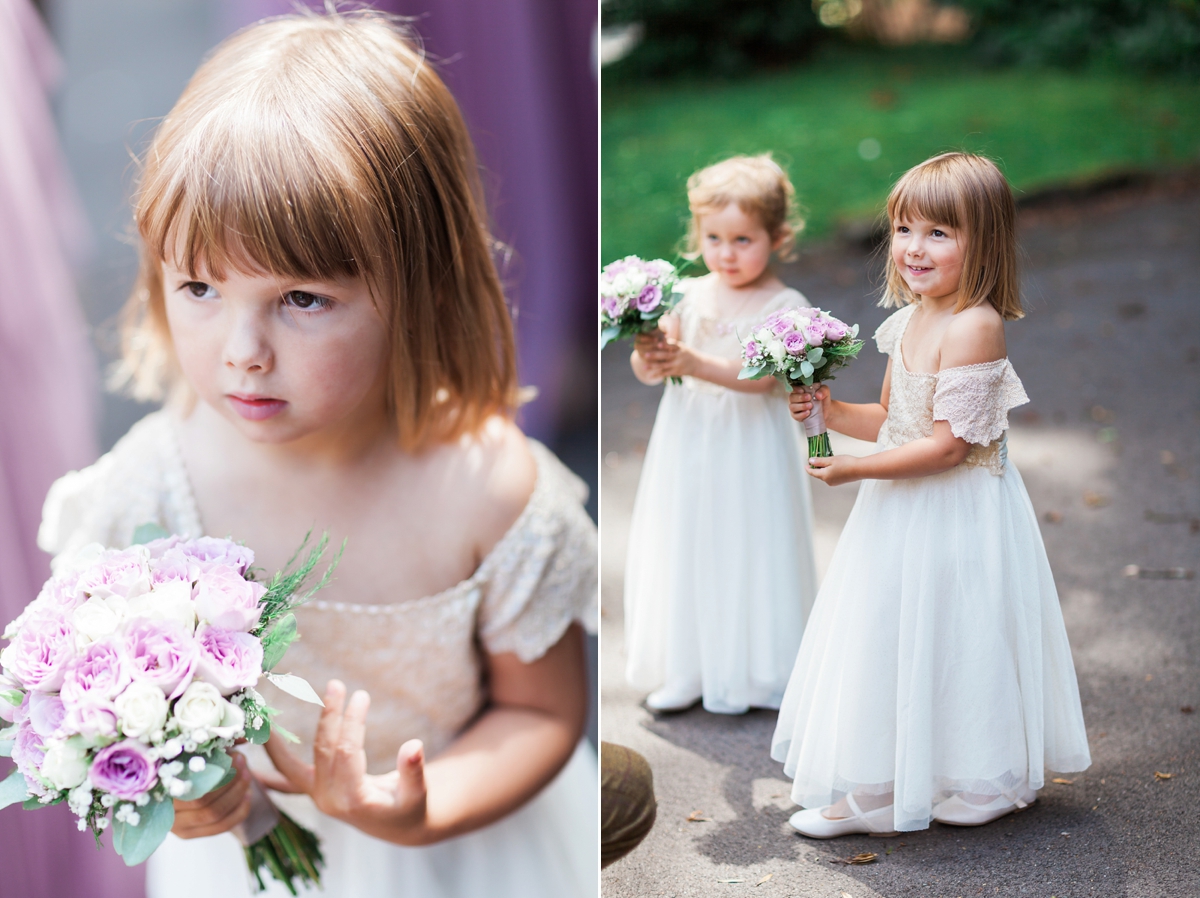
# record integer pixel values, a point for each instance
(47, 423)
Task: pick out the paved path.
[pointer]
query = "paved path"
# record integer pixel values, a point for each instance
(1110, 354)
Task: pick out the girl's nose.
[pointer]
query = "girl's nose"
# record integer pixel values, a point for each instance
(246, 348)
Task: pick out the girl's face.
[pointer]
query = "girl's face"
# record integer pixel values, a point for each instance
(735, 245)
(280, 360)
(928, 255)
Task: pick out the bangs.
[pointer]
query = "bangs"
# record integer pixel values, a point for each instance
(928, 192)
(255, 190)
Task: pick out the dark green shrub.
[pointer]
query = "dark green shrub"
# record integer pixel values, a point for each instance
(1154, 35)
(724, 37)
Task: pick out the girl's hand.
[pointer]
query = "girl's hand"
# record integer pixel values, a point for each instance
(800, 402)
(391, 806)
(834, 470)
(220, 810)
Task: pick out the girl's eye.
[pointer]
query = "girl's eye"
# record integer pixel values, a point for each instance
(902, 229)
(743, 240)
(938, 233)
(200, 290)
(299, 299)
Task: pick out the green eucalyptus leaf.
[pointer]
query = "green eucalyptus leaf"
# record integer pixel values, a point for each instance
(608, 334)
(751, 372)
(276, 642)
(806, 369)
(136, 843)
(204, 781)
(13, 789)
(6, 747)
(13, 696)
(148, 533)
(259, 735)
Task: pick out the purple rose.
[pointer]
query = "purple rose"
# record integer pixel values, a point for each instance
(27, 751)
(225, 599)
(794, 343)
(649, 298)
(834, 329)
(91, 721)
(46, 714)
(117, 573)
(611, 306)
(779, 326)
(159, 547)
(124, 769)
(40, 652)
(753, 350)
(229, 659)
(814, 334)
(211, 552)
(98, 676)
(162, 654)
(174, 564)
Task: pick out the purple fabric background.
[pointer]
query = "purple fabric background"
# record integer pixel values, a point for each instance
(47, 422)
(523, 73)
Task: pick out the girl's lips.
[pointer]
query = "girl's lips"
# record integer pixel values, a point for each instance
(918, 271)
(255, 408)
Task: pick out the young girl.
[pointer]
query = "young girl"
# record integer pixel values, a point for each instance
(710, 612)
(935, 679)
(317, 294)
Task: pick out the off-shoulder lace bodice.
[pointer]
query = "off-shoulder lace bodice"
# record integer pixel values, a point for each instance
(974, 399)
(421, 660)
(701, 328)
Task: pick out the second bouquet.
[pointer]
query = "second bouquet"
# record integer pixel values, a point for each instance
(801, 347)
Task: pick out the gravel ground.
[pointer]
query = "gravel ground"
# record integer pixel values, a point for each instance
(1110, 354)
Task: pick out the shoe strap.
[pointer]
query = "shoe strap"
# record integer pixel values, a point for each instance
(860, 815)
(1011, 795)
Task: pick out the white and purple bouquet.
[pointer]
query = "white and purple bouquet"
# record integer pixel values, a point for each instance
(801, 346)
(131, 676)
(634, 295)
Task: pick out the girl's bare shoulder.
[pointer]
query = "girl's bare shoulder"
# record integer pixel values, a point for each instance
(974, 336)
(489, 478)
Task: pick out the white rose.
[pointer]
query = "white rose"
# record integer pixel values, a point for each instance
(141, 710)
(97, 618)
(777, 351)
(200, 707)
(170, 600)
(65, 764)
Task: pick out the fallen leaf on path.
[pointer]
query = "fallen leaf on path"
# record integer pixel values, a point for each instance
(846, 895)
(1053, 517)
(730, 880)
(1186, 709)
(1063, 782)
(766, 878)
(1166, 457)
(697, 817)
(1095, 500)
(1161, 573)
(867, 857)
(1162, 776)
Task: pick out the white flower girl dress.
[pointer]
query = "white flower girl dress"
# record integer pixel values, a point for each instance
(720, 574)
(420, 661)
(935, 661)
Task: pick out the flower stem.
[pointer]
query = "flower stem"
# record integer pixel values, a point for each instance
(818, 446)
(289, 852)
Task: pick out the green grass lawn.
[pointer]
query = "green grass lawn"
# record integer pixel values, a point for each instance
(1042, 127)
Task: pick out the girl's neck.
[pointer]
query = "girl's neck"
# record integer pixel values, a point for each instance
(940, 305)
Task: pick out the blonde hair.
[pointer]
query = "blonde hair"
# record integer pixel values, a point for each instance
(322, 147)
(967, 193)
(759, 186)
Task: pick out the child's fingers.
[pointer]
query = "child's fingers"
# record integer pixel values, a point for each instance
(410, 764)
(295, 772)
(350, 760)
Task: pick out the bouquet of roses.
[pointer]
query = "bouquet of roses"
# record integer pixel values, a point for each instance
(634, 295)
(131, 676)
(801, 346)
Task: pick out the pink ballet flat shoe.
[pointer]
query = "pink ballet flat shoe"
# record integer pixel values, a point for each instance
(958, 812)
(673, 698)
(813, 823)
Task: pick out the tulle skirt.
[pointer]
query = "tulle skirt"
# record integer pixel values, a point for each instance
(720, 574)
(547, 849)
(935, 660)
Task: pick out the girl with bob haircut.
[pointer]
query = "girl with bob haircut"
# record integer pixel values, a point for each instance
(318, 302)
(720, 572)
(934, 681)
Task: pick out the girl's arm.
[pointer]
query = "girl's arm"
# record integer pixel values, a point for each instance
(860, 420)
(519, 743)
(667, 356)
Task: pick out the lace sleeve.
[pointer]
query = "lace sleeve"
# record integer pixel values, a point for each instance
(975, 400)
(887, 337)
(543, 575)
(136, 483)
